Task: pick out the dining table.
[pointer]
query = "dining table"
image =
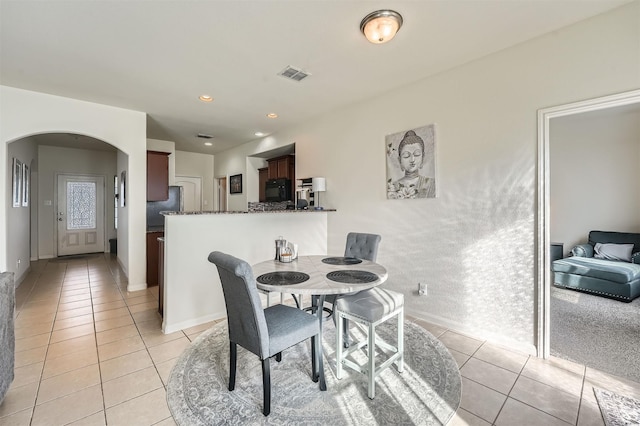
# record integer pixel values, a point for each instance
(319, 276)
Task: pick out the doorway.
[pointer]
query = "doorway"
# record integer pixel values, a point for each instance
(80, 214)
(543, 255)
(222, 194)
(191, 192)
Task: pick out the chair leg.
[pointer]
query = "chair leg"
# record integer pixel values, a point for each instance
(339, 339)
(372, 362)
(345, 330)
(400, 362)
(318, 350)
(233, 356)
(314, 361)
(266, 387)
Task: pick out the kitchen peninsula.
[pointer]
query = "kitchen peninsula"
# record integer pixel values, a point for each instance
(192, 290)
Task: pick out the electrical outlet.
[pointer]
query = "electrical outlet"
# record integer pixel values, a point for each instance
(422, 289)
(18, 264)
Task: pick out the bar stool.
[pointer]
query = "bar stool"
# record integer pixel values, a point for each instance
(369, 308)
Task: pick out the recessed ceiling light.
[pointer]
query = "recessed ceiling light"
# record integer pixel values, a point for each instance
(259, 134)
(208, 143)
(272, 115)
(205, 98)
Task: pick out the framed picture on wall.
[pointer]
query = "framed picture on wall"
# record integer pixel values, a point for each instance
(235, 184)
(123, 187)
(411, 165)
(17, 182)
(25, 185)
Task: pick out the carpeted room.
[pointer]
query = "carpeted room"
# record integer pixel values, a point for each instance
(591, 153)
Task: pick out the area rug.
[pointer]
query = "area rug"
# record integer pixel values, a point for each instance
(617, 410)
(426, 393)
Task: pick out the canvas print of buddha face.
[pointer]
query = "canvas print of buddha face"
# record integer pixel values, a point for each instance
(411, 163)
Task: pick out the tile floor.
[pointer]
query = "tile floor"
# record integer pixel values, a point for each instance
(90, 353)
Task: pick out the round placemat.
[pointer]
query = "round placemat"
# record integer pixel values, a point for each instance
(341, 260)
(352, 276)
(283, 278)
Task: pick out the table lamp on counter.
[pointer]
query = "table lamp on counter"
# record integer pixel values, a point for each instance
(318, 185)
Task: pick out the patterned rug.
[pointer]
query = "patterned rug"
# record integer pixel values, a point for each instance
(426, 393)
(617, 410)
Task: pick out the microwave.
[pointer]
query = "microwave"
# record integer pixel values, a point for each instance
(278, 190)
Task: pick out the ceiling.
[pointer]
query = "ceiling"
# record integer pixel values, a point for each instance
(158, 57)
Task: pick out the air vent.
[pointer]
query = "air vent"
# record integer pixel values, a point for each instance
(204, 136)
(294, 73)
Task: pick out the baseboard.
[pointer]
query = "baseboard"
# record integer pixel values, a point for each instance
(192, 322)
(47, 256)
(491, 338)
(136, 287)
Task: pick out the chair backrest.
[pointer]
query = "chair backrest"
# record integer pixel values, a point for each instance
(362, 246)
(245, 316)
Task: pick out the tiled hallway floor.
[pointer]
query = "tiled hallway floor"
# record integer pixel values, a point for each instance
(90, 353)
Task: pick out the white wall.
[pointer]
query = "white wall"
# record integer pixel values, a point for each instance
(474, 245)
(192, 291)
(198, 165)
(54, 161)
(19, 229)
(594, 174)
(26, 113)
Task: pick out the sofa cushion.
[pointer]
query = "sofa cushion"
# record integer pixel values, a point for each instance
(616, 238)
(613, 251)
(619, 272)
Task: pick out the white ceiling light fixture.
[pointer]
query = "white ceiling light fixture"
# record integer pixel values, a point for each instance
(205, 98)
(259, 134)
(381, 26)
(208, 144)
(272, 115)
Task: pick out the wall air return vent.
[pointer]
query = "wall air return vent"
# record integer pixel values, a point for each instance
(294, 73)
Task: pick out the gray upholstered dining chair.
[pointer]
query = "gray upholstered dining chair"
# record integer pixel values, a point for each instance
(361, 246)
(264, 332)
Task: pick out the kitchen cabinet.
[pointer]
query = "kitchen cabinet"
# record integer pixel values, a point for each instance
(263, 176)
(281, 167)
(152, 257)
(161, 276)
(157, 176)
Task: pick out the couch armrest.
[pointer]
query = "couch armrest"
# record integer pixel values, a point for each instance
(635, 258)
(582, 250)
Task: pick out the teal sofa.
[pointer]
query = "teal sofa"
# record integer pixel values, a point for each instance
(606, 266)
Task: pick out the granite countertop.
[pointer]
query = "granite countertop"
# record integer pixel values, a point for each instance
(243, 212)
(155, 229)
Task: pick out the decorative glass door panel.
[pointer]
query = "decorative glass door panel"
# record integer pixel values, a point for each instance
(80, 214)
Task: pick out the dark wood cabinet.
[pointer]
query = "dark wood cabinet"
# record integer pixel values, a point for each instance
(263, 176)
(161, 276)
(281, 167)
(152, 257)
(157, 176)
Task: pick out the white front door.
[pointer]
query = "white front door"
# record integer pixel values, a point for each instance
(191, 192)
(80, 215)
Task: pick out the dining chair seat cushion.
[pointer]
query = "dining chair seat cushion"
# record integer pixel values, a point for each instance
(371, 305)
(288, 326)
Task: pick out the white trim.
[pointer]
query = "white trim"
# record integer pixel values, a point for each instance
(543, 273)
(192, 322)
